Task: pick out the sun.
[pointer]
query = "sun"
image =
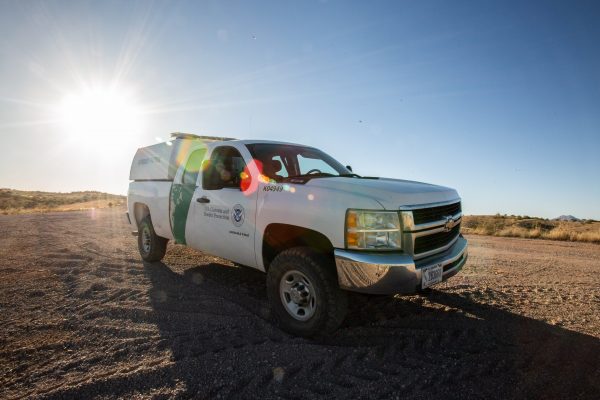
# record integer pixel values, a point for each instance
(100, 114)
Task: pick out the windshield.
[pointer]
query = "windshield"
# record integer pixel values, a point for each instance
(281, 162)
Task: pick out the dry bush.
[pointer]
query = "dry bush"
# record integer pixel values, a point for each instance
(562, 233)
(21, 202)
(531, 228)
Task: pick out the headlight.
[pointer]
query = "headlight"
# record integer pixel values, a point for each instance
(373, 230)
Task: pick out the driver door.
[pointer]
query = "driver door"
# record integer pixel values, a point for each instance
(222, 217)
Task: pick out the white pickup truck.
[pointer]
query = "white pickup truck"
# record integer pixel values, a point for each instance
(316, 228)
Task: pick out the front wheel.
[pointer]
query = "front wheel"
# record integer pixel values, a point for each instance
(151, 246)
(304, 294)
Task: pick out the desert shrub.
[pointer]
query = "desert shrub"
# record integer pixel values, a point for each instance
(14, 200)
(539, 224)
(532, 228)
(534, 233)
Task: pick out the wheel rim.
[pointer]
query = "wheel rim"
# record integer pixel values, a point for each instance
(146, 240)
(298, 295)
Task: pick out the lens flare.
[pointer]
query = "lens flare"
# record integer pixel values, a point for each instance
(252, 174)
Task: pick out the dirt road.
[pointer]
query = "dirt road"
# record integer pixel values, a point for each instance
(81, 316)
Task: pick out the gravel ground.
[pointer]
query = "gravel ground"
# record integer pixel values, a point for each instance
(82, 316)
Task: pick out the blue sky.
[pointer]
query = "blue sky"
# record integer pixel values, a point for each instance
(500, 100)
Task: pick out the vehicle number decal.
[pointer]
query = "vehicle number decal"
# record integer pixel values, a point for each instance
(273, 188)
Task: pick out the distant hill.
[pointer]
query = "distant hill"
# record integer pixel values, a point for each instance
(20, 201)
(569, 218)
(533, 228)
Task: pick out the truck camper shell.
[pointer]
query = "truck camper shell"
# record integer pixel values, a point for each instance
(159, 162)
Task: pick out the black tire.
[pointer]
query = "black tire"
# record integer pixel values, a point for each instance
(331, 303)
(155, 247)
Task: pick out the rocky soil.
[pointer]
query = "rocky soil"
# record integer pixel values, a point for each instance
(82, 316)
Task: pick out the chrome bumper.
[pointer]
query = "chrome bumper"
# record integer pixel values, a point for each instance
(390, 273)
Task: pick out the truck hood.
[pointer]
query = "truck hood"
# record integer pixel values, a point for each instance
(391, 193)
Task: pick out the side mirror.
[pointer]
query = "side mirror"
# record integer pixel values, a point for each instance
(349, 168)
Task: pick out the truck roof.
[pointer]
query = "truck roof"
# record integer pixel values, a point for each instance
(259, 141)
(218, 139)
(191, 136)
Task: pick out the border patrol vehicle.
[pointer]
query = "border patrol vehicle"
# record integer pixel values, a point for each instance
(313, 226)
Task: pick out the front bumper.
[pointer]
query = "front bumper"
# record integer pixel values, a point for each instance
(390, 273)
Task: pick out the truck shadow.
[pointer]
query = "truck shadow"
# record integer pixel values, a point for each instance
(215, 320)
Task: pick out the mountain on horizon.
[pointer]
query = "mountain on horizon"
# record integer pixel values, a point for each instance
(569, 218)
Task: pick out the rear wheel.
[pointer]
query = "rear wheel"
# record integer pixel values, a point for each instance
(151, 246)
(304, 294)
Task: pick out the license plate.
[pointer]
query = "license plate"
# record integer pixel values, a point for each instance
(431, 275)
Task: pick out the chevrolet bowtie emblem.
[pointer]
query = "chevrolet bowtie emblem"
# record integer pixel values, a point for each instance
(450, 223)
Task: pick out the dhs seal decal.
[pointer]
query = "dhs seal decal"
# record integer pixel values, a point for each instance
(237, 215)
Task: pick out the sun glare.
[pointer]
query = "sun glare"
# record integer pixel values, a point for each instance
(100, 114)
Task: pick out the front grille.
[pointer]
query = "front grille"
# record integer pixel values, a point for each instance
(434, 241)
(424, 215)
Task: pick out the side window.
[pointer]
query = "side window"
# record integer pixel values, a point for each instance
(192, 167)
(225, 169)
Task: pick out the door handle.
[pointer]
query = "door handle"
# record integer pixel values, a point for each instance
(203, 199)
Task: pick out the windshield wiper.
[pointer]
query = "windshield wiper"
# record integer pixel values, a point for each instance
(322, 175)
(317, 175)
